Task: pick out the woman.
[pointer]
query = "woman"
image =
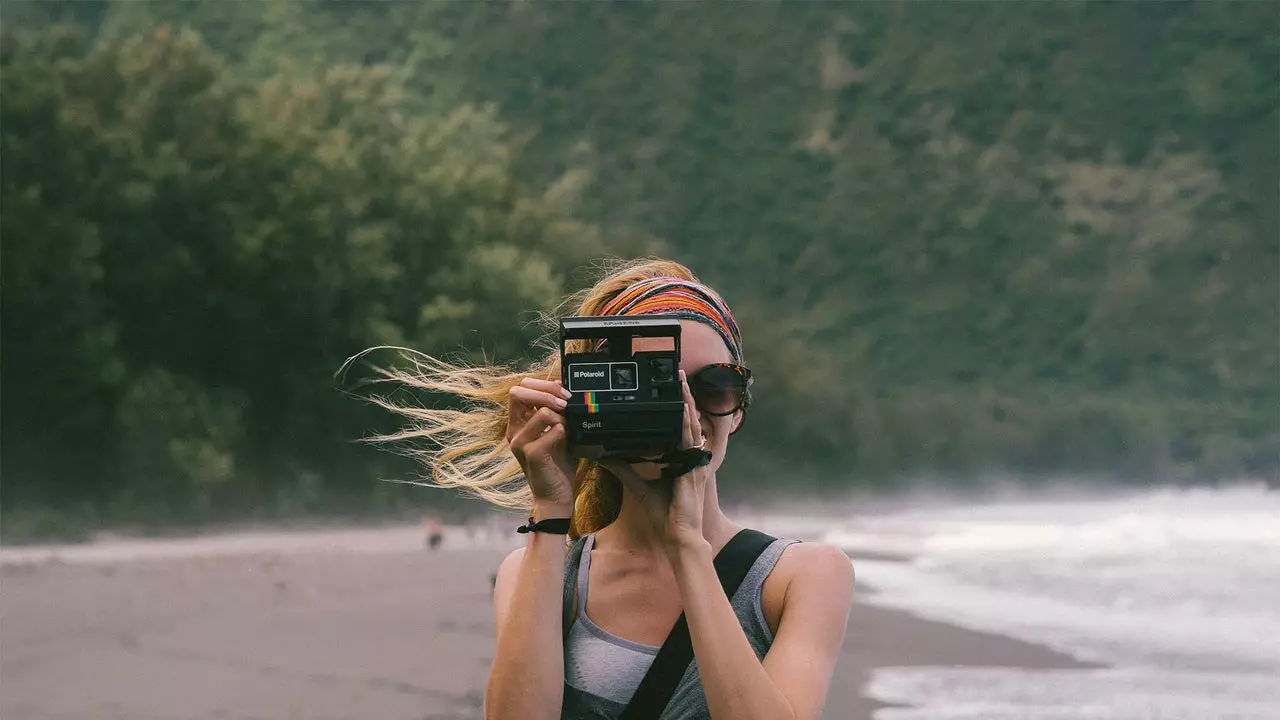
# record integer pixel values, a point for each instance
(578, 625)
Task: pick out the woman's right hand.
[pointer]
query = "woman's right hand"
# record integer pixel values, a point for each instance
(535, 433)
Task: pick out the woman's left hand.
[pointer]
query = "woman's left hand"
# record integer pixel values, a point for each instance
(673, 505)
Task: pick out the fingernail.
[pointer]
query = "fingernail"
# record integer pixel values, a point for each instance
(682, 377)
(560, 403)
(565, 392)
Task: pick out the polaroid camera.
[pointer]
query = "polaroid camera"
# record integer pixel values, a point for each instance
(623, 372)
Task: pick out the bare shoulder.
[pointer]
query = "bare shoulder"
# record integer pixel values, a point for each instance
(504, 584)
(511, 563)
(817, 563)
(813, 617)
(508, 569)
(807, 571)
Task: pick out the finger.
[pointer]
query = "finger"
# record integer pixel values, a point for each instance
(692, 426)
(522, 402)
(541, 422)
(552, 387)
(536, 398)
(546, 446)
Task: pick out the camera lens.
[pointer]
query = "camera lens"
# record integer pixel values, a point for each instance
(662, 369)
(624, 377)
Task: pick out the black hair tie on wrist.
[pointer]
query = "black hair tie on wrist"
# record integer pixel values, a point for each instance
(550, 526)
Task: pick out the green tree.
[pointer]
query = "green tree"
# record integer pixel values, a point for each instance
(219, 247)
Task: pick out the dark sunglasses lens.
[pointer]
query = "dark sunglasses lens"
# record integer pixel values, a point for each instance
(718, 390)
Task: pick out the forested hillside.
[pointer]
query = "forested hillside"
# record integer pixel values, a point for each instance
(961, 239)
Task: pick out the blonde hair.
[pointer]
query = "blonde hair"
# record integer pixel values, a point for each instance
(467, 449)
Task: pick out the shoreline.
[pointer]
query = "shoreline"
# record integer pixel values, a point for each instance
(347, 625)
(880, 637)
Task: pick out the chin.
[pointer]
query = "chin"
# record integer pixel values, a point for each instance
(647, 470)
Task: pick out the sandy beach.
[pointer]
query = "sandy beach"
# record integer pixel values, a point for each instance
(327, 631)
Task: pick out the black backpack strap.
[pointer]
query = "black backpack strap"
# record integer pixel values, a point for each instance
(733, 562)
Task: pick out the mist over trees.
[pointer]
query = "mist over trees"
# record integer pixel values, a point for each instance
(960, 239)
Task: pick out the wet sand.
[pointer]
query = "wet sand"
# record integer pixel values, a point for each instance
(327, 633)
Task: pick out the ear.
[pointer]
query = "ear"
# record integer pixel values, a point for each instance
(738, 418)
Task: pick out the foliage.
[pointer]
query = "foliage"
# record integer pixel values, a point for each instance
(918, 206)
(191, 256)
(1018, 237)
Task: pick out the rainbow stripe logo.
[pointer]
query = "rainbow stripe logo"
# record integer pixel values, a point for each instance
(589, 398)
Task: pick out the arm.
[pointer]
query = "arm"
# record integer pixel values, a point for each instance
(527, 679)
(792, 681)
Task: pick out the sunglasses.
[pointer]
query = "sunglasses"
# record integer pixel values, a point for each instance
(721, 388)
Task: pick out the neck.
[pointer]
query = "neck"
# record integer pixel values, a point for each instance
(633, 532)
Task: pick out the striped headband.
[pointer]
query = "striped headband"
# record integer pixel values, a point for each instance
(683, 298)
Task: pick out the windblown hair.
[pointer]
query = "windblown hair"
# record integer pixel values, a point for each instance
(467, 449)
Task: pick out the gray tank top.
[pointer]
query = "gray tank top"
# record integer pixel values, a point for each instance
(602, 670)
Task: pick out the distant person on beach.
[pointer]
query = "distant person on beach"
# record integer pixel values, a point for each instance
(432, 532)
(580, 620)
